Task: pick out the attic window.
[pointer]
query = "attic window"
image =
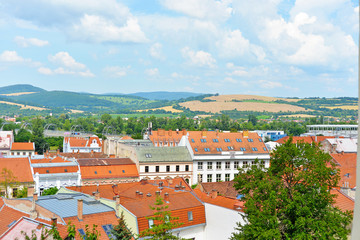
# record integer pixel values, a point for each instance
(108, 228)
(148, 155)
(227, 140)
(254, 149)
(65, 170)
(243, 149)
(215, 140)
(250, 140)
(203, 140)
(219, 149)
(230, 147)
(260, 140)
(47, 171)
(265, 149)
(95, 172)
(123, 171)
(207, 149)
(238, 140)
(192, 140)
(82, 232)
(109, 171)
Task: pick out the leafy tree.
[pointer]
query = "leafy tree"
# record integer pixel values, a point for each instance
(22, 193)
(50, 191)
(291, 199)
(121, 231)
(23, 136)
(163, 222)
(7, 180)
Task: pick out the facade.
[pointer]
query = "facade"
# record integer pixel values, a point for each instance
(96, 171)
(82, 144)
(6, 139)
(114, 146)
(51, 172)
(272, 135)
(162, 138)
(339, 145)
(22, 149)
(218, 155)
(133, 201)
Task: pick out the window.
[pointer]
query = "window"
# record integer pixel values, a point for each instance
(260, 140)
(200, 178)
(177, 168)
(47, 171)
(254, 149)
(109, 171)
(238, 140)
(148, 155)
(123, 171)
(82, 232)
(245, 164)
(250, 140)
(203, 140)
(262, 164)
(209, 165)
(235, 175)
(200, 166)
(187, 168)
(230, 147)
(107, 228)
(265, 149)
(209, 178)
(14, 193)
(215, 140)
(227, 165)
(146, 168)
(65, 170)
(168, 168)
(252, 163)
(236, 164)
(242, 149)
(207, 149)
(157, 168)
(218, 165)
(190, 216)
(218, 177)
(95, 172)
(151, 223)
(227, 140)
(227, 177)
(219, 149)
(195, 149)
(192, 140)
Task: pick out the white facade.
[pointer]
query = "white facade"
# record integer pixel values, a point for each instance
(165, 170)
(220, 222)
(22, 153)
(192, 232)
(6, 139)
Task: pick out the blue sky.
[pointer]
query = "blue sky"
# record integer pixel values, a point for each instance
(286, 48)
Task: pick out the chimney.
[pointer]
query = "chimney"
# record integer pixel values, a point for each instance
(35, 196)
(140, 194)
(30, 191)
(166, 197)
(80, 210)
(214, 194)
(203, 133)
(33, 212)
(54, 221)
(170, 181)
(184, 132)
(117, 200)
(96, 195)
(73, 151)
(217, 132)
(137, 194)
(58, 152)
(246, 134)
(157, 193)
(47, 152)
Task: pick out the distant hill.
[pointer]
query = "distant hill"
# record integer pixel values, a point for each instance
(19, 88)
(162, 95)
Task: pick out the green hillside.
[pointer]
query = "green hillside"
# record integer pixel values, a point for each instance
(163, 95)
(18, 88)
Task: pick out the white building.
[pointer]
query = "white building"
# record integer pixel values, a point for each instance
(6, 139)
(22, 149)
(79, 144)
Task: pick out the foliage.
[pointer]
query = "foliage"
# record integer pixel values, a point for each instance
(23, 135)
(22, 193)
(121, 231)
(7, 180)
(291, 199)
(163, 222)
(193, 186)
(50, 191)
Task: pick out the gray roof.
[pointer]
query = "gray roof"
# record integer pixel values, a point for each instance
(163, 154)
(65, 205)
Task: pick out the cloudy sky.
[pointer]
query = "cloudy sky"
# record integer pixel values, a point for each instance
(284, 48)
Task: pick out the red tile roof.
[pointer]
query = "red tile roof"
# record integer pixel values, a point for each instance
(7, 216)
(20, 167)
(105, 161)
(346, 162)
(342, 201)
(23, 146)
(225, 189)
(126, 138)
(221, 201)
(49, 160)
(305, 139)
(80, 155)
(49, 170)
(82, 142)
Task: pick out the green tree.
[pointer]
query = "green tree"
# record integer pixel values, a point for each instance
(7, 180)
(163, 222)
(50, 191)
(22, 193)
(291, 199)
(121, 231)
(23, 135)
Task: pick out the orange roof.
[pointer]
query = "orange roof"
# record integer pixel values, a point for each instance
(342, 201)
(82, 142)
(49, 160)
(109, 171)
(126, 138)
(7, 216)
(161, 134)
(46, 170)
(23, 146)
(221, 201)
(305, 139)
(224, 188)
(20, 167)
(346, 162)
(80, 155)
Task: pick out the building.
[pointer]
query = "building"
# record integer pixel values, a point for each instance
(20, 174)
(134, 199)
(96, 171)
(6, 139)
(271, 135)
(162, 138)
(113, 145)
(333, 130)
(218, 155)
(339, 145)
(82, 144)
(51, 172)
(22, 149)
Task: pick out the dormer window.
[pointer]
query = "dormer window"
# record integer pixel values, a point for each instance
(148, 155)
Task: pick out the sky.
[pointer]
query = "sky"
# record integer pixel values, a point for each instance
(283, 48)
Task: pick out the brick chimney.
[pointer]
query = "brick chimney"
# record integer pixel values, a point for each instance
(54, 221)
(58, 152)
(214, 194)
(80, 210)
(166, 197)
(33, 212)
(35, 196)
(31, 191)
(97, 195)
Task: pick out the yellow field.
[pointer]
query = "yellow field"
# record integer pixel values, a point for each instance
(344, 107)
(299, 115)
(216, 107)
(17, 94)
(227, 98)
(167, 108)
(76, 111)
(24, 107)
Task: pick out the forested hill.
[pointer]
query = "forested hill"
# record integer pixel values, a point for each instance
(20, 88)
(162, 95)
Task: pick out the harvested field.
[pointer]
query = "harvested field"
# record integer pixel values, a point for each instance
(299, 115)
(239, 97)
(217, 107)
(344, 107)
(25, 106)
(167, 108)
(17, 94)
(75, 111)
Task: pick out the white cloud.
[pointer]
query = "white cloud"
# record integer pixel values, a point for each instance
(229, 80)
(45, 71)
(116, 71)
(269, 84)
(199, 58)
(26, 42)
(202, 9)
(11, 56)
(64, 59)
(63, 71)
(155, 51)
(93, 28)
(152, 72)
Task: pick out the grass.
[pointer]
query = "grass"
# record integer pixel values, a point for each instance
(145, 115)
